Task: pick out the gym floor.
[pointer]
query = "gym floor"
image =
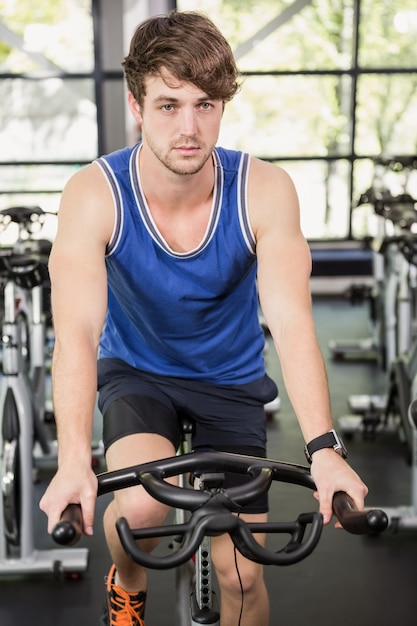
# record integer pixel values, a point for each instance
(347, 580)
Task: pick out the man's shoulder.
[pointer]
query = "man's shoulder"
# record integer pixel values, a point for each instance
(264, 171)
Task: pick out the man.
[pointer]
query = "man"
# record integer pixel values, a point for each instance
(160, 254)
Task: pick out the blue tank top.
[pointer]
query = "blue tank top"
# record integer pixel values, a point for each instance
(189, 315)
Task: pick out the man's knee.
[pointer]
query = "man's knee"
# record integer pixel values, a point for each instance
(234, 572)
(137, 507)
(239, 576)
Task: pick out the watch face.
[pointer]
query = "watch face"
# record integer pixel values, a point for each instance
(340, 445)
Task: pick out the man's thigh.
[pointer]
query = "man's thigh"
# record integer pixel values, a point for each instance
(135, 503)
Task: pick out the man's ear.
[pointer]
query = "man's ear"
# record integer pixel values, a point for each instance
(134, 107)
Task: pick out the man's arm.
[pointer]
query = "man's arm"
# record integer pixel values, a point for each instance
(284, 268)
(79, 302)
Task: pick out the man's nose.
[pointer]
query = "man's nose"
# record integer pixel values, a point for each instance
(188, 122)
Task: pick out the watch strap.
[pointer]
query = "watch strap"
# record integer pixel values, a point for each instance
(328, 440)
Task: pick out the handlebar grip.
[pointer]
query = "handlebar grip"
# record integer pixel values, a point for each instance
(366, 522)
(69, 529)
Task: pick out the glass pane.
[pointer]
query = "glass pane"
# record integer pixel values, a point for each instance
(394, 177)
(323, 193)
(388, 33)
(34, 178)
(387, 114)
(46, 36)
(364, 220)
(33, 185)
(289, 115)
(283, 35)
(48, 119)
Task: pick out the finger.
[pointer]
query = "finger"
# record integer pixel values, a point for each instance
(54, 517)
(326, 508)
(358, 496)
(88, 506)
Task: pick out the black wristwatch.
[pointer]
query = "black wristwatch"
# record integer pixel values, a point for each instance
(328, 440)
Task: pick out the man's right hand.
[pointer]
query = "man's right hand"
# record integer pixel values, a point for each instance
(71, 486)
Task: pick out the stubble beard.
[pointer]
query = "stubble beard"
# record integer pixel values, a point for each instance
(182, 165)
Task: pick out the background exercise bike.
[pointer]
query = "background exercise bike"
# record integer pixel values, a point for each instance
(395, 316)
(26, 438)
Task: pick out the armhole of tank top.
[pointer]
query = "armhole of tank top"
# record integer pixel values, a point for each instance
(117, 204)
(243, 210)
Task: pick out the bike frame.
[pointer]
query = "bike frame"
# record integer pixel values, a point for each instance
(22, 403)
(194, 583)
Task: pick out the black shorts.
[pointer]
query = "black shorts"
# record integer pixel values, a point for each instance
(226, 418)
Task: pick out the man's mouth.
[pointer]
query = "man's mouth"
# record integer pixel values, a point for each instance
(187, 149)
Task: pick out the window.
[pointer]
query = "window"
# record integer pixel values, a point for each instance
(327, 88)
(48, 116)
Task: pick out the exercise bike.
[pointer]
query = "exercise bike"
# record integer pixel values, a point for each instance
(204, 509)
(393, 214)
(372, 346)
(394, 312)
(401, 405)
(404, 516)
(26, 441)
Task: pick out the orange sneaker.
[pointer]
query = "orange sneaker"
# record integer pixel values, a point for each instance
(122, 608)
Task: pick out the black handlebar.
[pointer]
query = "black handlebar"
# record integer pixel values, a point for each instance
(367, 522)
(211, 509)
(26, 216)
(69, 529)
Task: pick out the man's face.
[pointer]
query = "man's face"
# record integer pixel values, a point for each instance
(180, 124)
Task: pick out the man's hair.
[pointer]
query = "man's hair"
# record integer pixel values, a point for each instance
(190, 47)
